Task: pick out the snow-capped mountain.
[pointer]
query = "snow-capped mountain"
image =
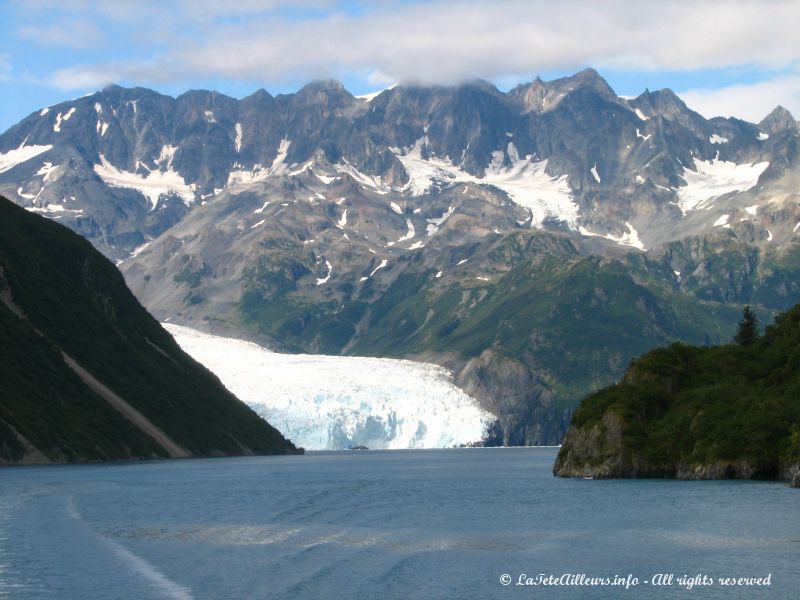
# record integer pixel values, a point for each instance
(532, 241)
(338, 402)
(122, 165)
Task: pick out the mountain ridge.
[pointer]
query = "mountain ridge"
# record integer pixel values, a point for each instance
(88, 374)
(196, 143)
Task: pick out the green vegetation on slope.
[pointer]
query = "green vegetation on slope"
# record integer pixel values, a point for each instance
(726, 411)
(74, 300)
(572, 322)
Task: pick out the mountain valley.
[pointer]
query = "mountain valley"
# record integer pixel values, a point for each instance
(532, 242)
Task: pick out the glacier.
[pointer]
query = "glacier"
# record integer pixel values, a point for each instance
(526, 181)
(336, 402)
(152, 186)
(715, 178)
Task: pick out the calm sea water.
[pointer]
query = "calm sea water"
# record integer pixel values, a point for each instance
(392, 524)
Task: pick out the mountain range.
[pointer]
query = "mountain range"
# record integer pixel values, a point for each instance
(532, 241)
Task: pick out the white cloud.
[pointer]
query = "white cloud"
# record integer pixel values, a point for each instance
(447, 41)
(751, 102)
(72, 34)
(208, 9)
(82, 77)
(441, 41)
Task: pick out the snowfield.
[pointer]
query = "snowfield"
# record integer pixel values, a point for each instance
(714, 178)
(631, 238)
(334, 402)
(151, 186)
(16, 156)
(525, 181)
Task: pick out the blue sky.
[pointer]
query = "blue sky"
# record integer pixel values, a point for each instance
(724, 57)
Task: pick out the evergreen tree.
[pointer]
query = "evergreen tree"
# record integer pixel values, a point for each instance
(747, 331)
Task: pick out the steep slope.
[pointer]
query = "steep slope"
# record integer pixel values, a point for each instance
(88, 374)
(696, 413)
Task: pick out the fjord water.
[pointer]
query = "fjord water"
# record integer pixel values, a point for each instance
(382, 524)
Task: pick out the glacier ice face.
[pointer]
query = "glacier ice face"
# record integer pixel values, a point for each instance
(334, 402)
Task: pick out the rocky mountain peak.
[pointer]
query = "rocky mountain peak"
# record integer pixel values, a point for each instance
(777, 120)
(590, 77)
(664, 102)
(324, 87)
(481, 85)
(542, 96)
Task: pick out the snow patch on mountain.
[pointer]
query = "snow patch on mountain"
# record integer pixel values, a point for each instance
(335, 402)
(371, 182)
(410, 233)
(325, 279)
(151, 186)
(238, 141)
(718, 139)
(433, 224)
(714, 178)
(382, 265)
(595, 174)
(21, 193)
(631, 238)
(526, 182)
(239, 177)
(16, 156)
(372, 95)
(166, 155)
(723, 220)
(61, 118)
(279, 163)
(51, 209)
(47, 170)
(427, 174)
